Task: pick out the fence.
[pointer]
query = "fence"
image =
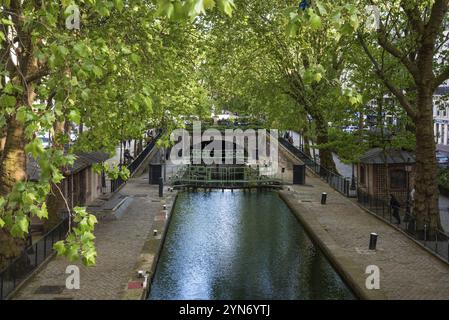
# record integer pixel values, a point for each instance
(233, 176)
(435, 240)
(132, 167)
(335, 180)
(21, 267)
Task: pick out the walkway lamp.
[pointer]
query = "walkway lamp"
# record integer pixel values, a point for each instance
(353, 187)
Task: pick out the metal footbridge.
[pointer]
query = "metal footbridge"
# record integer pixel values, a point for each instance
(224, 177)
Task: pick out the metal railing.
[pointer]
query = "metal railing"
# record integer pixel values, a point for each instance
(22, 267)
(435, 240)
(133, 166)
(233, 176)
(335, 180)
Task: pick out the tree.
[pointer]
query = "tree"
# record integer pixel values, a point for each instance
(414, 34)
(273, 71)
(102, 76)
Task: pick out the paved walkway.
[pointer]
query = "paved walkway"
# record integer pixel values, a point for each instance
(119, 244)
(407, 270)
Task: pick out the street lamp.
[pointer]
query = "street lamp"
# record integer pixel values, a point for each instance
(408, 169)
(353, 187)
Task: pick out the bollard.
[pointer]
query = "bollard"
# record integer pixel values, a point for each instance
(161, 187)
(323, 198)
(373, 241)
(155, 232)
(164, 207)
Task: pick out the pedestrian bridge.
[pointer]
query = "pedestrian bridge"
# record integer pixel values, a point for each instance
(224, 177)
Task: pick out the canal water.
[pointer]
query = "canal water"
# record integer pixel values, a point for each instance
(241, 245)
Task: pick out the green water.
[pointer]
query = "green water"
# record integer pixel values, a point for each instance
(241, 246)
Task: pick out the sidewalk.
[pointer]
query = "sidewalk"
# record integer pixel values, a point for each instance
(342, 229)
(119, 244)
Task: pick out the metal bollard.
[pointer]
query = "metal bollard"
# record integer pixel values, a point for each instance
(161, 187)
(155, 232)
(373, 241)
(323, 198)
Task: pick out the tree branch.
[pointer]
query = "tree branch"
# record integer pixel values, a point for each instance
(413, 16)
(439, 79)
(37, 75)
(393, 89)
(398, 54)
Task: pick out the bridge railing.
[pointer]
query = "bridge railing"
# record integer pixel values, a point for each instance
(335, 180)
(230, 176)
(133, 166)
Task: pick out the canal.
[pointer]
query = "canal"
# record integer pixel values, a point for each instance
(241, 245)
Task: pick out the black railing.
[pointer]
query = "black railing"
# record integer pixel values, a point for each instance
(335, 180)
(402, 216)
(133, 166)
(22, 267)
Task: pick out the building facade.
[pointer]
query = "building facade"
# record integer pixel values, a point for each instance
(441, 115)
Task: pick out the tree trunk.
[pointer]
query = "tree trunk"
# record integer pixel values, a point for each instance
(12, 170)
(13, 162)
(2, 139)
(326, 158)
(426, 186)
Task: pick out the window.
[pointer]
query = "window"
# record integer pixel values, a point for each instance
(398, 179)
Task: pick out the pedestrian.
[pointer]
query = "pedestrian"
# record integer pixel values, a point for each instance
(395, 205)
(128, 156)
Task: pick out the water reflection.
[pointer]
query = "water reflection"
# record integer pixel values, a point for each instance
(241, 246)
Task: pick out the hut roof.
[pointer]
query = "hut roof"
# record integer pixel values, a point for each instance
(82, 160)
(393, 156)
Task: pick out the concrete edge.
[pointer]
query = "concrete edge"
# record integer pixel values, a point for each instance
(349, 271)
(150, 243)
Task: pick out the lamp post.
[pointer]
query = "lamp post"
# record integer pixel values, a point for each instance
(408, 169)
(353, 179)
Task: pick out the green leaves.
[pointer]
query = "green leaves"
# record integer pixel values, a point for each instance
(226, 6)
(7, 101)
(35, 148)
(183, 9)
(75, 116)
(119, 5)
(79, 244)
(165, 8)
(315, 21)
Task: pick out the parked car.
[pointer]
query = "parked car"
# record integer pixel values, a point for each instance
(442, 160)
(350, 129)
(45, 141)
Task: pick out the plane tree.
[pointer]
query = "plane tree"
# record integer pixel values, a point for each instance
(127, 65)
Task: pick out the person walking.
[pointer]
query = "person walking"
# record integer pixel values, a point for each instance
(395, 205)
